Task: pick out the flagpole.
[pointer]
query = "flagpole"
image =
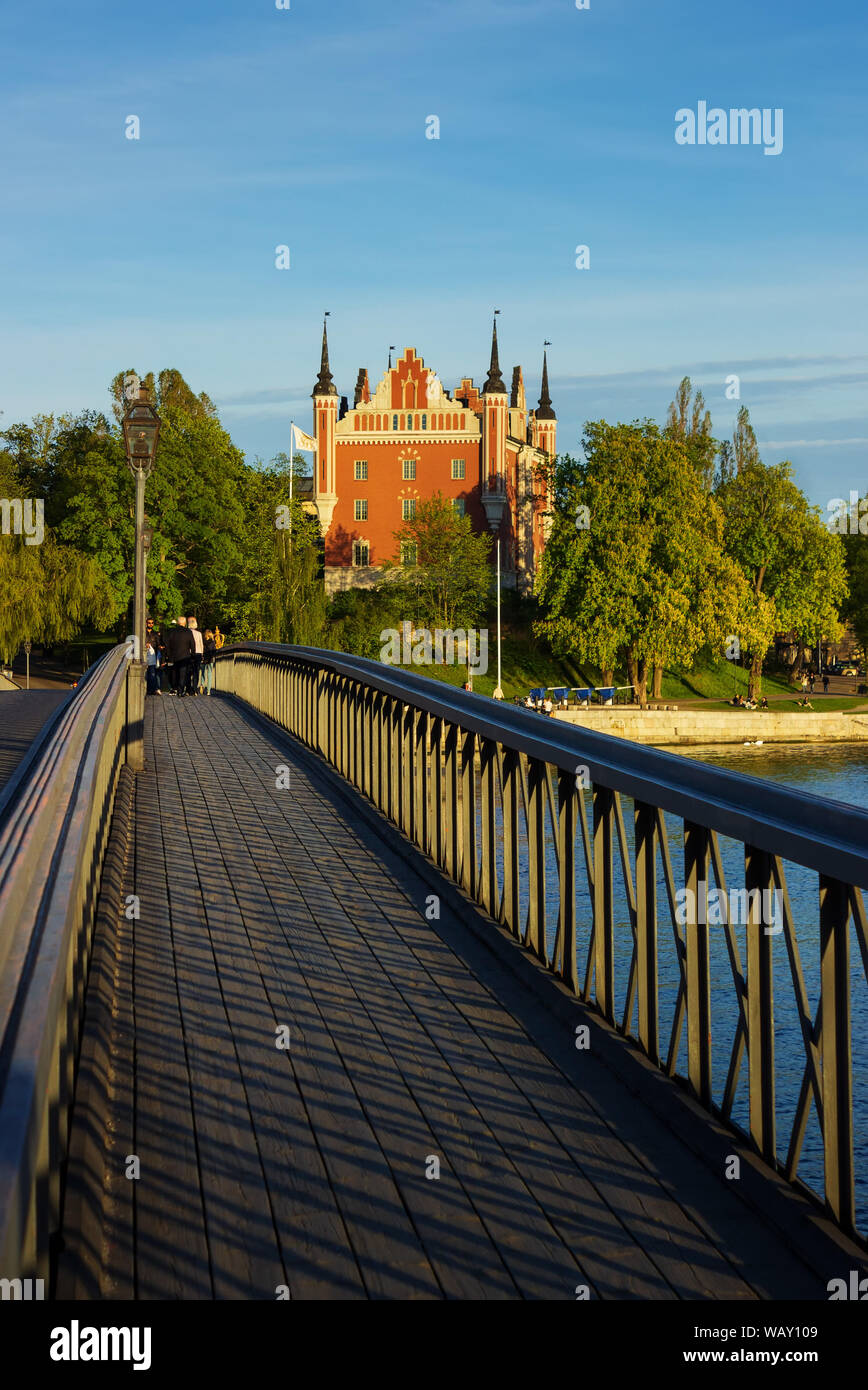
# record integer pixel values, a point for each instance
(291, 471)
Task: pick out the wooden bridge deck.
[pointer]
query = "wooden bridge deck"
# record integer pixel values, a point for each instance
(306, 1167)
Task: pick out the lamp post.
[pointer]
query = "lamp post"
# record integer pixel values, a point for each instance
(28, 646)
(494, 502)
(141, 428)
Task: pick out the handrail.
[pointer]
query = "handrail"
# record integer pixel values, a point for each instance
(828, 836)
(503, 800)
(52, 842)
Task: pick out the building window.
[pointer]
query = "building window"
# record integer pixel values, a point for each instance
(394, 422)
(360, 509)
(409, 468)
(424, 422)
(458, 504)
(361, 469)
(409, 553)
(458, 468)
(408, 508)
(361, 552)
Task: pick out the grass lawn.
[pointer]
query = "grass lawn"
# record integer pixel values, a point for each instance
(527, 665)
(822, 704)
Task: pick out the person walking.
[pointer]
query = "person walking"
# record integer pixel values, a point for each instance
(195, 663)
(180, 647)
(208, 654)
(152, 657)
(811, 679)
(825, 685)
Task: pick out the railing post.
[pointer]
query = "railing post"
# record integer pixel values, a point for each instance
(509, 903)
(453, 825)
(760, 1004)
(536, 859)
(646, 930)
(488, 893)
(696, 850)
(422, 780)
(135, 730)
(604, 927)
(564, 961)
(469, 871)
(835, 1044)
(438, 836)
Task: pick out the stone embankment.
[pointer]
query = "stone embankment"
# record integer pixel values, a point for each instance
(680, 727)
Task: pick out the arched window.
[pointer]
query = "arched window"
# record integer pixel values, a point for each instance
(394, 422)
(424, 422)
(409, 393)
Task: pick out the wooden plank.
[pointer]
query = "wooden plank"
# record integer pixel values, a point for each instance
(172, 1257)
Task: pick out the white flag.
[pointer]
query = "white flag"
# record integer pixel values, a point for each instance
(300, 440)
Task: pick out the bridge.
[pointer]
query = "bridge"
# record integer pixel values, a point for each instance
(347, 984)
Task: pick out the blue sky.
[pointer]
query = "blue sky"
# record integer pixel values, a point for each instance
(306, 127)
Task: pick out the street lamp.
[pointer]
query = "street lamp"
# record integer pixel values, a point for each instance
(28, 647)
(141, 432)
(141, 428)
(494, 502)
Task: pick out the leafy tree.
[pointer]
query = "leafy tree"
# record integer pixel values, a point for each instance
(440, 568)
(856, 607)
(744, 446)
(47, 591)
(690, 422)
(282, 568)
(794, 567)
(646, 581)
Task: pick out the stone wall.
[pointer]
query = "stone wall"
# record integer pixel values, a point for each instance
(670, 727)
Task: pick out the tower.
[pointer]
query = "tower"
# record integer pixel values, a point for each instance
(545, 425)
(325, 412)
(495, 423)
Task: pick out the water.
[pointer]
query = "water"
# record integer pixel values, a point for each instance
(839, 772)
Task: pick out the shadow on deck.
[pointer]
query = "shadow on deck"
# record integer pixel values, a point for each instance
(414, 1046)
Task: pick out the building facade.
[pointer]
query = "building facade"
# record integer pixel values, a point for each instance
(409, 439)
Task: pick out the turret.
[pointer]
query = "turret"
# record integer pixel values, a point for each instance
(495, 422)
(325, 410)
(545, 422)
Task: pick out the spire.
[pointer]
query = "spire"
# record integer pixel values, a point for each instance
(494, 384)
(545, 411)
(324, 384)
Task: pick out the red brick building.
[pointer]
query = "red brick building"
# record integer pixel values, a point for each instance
(410, 439)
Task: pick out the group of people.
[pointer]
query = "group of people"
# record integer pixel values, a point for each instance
(745, 702)
(808, 681)
(181, 657)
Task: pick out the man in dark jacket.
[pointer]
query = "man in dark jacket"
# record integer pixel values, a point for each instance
(180, 647)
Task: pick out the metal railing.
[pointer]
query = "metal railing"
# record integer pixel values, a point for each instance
(517, 811)
(53, 833)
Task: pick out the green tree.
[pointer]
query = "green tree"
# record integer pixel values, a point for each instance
(47, 591)
(634, 571)
(440, 567)
(794, 568)
(690, 422)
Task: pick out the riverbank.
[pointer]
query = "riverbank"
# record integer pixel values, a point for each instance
(681, 728)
